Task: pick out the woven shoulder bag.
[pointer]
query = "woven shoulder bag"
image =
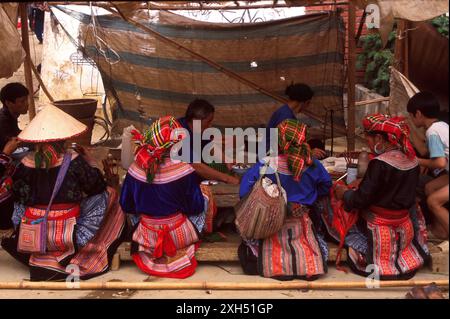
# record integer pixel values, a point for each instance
(258, 215)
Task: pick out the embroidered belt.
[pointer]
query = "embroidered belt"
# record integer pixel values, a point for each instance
(387, 217)
(164, 243)
(57, 212)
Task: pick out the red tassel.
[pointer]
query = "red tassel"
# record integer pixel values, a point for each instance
(164, 244)
(137, 136)
(342, 222)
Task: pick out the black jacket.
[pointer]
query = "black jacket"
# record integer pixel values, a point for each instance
(8, 127)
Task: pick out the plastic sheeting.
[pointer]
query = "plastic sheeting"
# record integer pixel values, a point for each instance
(12, 54)
(149, 78)
(401, 91)
(428, 60)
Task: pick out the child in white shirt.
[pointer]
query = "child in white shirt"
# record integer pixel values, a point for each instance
(424, 111)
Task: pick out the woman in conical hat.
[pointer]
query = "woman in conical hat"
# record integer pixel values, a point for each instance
(162, 196)
(84, 223)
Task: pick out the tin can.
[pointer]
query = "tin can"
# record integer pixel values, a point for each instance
(352, 173)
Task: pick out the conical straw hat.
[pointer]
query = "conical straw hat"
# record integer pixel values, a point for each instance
(51, 125)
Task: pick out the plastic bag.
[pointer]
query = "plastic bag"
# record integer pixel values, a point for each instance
(127, 154)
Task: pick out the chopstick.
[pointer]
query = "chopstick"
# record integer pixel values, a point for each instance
(342, 177)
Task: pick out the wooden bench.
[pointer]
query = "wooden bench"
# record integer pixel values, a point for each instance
(225, 251)
(226, 195)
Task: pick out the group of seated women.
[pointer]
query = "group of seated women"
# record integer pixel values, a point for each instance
(169, 210)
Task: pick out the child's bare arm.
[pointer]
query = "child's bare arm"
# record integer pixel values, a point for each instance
(434, 163)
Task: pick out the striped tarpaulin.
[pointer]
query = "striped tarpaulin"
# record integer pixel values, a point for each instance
(147, 78)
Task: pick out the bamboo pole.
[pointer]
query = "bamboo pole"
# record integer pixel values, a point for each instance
(398, 49)
(377, 100)
(152, 6)
(215, 65)
(406, 49)
(292, 285)
(26, 63)
(351, 71)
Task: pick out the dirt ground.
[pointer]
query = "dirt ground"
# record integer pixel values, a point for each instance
(11, 270)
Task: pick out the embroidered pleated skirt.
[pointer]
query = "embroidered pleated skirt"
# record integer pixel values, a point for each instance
(296, 251)
(384, 246)
(165, 247)
(81, 239)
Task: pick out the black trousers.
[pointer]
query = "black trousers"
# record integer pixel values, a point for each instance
(6, 211)
(37, 23)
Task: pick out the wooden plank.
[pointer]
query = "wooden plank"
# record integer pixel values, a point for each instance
(229, 200)
(222, 251)
(26, 63)
(439, 257)
(225, 189)
(380, 99)
(226, 195)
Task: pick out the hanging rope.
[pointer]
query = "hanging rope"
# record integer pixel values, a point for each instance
(99, 42)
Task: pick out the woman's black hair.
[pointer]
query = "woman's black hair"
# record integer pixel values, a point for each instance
(11, 91)
(198, 110)
(299, 92)
(383, 134)
(316, 143)
(426, 103)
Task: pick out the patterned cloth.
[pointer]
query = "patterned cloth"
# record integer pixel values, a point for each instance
(156, 143)
(204, 221)
(396, 246)
(283, 113)
(315, 181)
(164, 240)
(292, 252)
(175, 188)
(98, 241)
(6, 182)
(396, 129)
(60, 231)
(165, 247)
(81, 180)
(394, 251)
(92, 211)
(297, 250)
(292, 142)
(48, 154)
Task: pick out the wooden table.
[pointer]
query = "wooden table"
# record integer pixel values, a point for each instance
(226, 195)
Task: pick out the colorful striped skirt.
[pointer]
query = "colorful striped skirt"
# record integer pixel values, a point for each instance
(294, 252)
(165, 247)
(80, 242)
(384, 244)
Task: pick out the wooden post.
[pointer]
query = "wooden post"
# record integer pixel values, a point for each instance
(399, 62)
(351, 74)
(405, 49)
(26, 62)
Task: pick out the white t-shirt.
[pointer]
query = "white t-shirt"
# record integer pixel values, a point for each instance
(437, 140)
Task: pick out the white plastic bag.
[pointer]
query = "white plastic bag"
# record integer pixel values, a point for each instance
(127, 154)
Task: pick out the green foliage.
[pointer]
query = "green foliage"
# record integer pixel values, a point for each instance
(441, 24)
(375, 60)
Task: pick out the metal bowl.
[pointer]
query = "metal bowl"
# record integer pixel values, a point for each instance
(240, 169)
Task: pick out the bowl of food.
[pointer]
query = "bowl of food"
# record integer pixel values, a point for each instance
(240, 169)
(20, 153)
(210, 182)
